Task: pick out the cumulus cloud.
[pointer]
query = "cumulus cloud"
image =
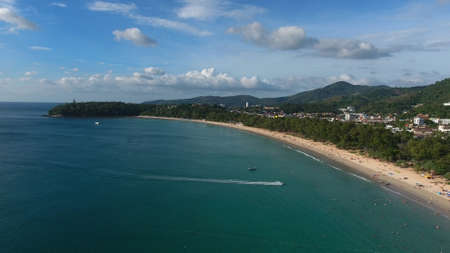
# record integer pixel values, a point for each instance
(130, 11)
(283, 38)
(154, 71)
(134, 35)
(250, 82)
(205, 80)
(294, 38)
(153, 83)
(350, 49)
(58, 4)
(9, 16)
(209, 9)
(39, 48)
(151, 78)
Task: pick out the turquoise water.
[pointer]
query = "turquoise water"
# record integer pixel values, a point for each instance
(132, 185)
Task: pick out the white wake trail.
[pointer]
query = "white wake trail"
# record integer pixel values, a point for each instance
(201, 180)
(211, 180)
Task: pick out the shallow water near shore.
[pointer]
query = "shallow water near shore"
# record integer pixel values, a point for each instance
(129, 184)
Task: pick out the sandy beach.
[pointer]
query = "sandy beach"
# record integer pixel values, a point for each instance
(404, 181)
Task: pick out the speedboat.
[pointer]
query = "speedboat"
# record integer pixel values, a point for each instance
(97, 123)
(251, 169)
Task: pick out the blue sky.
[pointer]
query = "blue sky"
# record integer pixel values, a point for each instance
(143, 50)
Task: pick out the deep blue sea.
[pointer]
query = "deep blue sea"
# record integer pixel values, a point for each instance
(134, 185)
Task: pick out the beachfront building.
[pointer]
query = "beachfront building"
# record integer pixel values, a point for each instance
(422, 131)
(348, 116)
(444, 128)
(393, 129)
(435, 120)
(419, 120)
(347, 109)
(444, 121)
(355, 116)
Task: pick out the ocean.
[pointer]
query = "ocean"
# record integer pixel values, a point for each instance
(135, 185)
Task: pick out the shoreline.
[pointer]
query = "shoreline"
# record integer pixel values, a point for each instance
(400, 181)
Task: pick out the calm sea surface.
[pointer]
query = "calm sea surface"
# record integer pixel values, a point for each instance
(132, 185)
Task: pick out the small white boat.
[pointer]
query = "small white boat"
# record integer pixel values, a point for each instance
(252, 169)
(97, 123)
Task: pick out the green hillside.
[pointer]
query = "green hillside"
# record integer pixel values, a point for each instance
(369, 99)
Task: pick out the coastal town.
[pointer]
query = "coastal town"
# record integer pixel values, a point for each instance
(420, 125)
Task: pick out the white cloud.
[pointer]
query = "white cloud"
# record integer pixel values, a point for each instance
(348, 78)
(152, 78)
(250, 82)
(283, 38)
(294, 38)
(7, 15)
(199, 9)
(39, 48)
(58, 4)
(209, 9)
(170, 24)
(129, 10)
(27, 76)
(245, 11)
(152, 83)
(111, 7)
(134, 35)
(154, 71)
(350, 49)
(7, 3)
(437, 44)
(30, 73)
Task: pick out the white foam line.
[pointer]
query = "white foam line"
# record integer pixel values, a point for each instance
(306, 154)
(336, 168)
(395, 192)
(360, 177)
(210, 180)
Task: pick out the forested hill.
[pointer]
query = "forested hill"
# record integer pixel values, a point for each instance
(370, 99)
(236, 101)
(317, 95)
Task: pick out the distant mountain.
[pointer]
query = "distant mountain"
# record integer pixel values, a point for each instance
(239, 100)
(364, 98)
(335, 90)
